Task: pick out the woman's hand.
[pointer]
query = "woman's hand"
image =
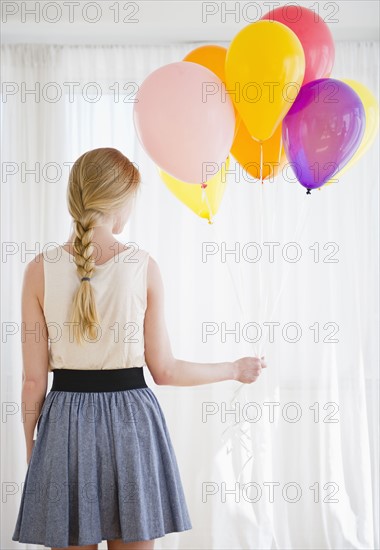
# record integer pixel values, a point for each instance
(248, 369)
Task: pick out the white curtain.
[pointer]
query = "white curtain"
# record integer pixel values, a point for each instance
(292, 460)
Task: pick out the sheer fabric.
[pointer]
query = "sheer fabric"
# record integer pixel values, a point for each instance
(292, 460)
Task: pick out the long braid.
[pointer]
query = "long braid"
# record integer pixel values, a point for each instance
(83, 246)
(85, 317)
(101, 182)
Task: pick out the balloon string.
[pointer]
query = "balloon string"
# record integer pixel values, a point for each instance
(241, 307)
(297, 234)
(279, 154)
(261, 308)
(239, 433)
(274, 218)
(275, 183)
(205, 198)
(235, 432)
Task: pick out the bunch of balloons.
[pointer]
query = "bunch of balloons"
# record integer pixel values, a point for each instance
(268, 100)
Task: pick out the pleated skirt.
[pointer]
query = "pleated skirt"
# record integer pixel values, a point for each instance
(103, 466)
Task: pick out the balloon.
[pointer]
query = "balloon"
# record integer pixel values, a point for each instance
(184, 120)
(322, 130)
(210, 56)
(265, 66)
(314, 35)
(205, 203)
(247, 151)
(371, 108)
(213, 57)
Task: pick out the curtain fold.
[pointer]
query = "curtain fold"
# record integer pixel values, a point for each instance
(292, 460)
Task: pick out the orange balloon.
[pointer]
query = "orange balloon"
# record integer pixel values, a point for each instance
(213, 57)
(247, 151)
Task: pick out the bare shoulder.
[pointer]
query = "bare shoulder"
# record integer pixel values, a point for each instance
(154, 279)
(152, 264)
(34, 277)
(35, 267)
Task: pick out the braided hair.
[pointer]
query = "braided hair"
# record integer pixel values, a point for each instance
(101, 182)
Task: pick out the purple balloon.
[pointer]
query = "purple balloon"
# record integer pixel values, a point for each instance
(322, 130)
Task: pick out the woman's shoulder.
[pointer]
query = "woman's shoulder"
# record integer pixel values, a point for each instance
(135, 251)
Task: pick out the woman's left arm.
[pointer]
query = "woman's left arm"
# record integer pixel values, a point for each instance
(34, 343)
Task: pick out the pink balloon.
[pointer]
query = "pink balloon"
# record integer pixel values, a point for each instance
(185, 120)
(314, 35)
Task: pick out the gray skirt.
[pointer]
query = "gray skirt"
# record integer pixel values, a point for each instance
(103, 466)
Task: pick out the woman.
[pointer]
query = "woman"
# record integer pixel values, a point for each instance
(102, 466)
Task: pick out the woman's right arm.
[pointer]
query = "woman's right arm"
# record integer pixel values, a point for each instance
(167, 369)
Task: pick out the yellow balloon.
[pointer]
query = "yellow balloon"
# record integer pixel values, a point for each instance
(205, 201)
(371, 109)
(265, 67)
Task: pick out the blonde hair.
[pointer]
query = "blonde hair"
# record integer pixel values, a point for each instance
(100, 183)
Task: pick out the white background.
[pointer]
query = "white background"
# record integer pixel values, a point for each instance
(307, 373)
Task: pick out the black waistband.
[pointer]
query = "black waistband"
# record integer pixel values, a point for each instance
(98, 380)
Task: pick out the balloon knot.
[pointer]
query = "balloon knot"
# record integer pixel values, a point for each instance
(308, 192)
(203, 185)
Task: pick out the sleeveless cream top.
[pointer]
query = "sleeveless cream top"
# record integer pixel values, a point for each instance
(120, 289)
